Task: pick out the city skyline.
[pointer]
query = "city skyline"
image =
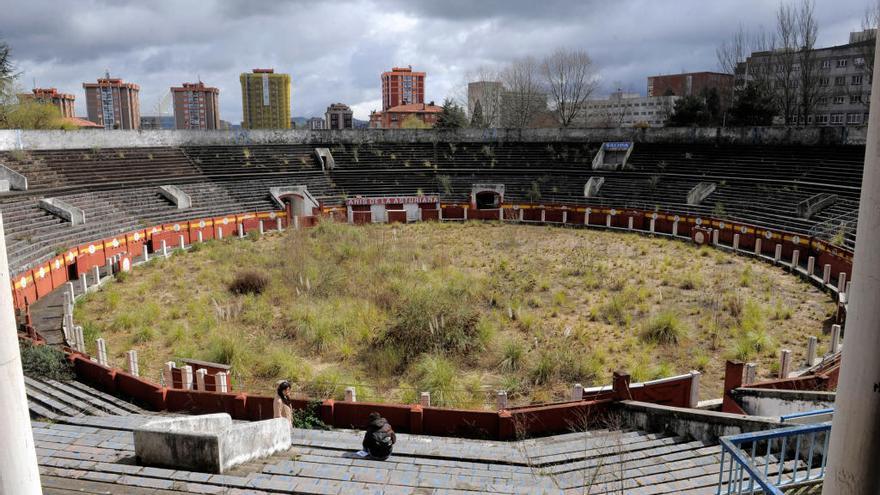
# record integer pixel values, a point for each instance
(157, 47)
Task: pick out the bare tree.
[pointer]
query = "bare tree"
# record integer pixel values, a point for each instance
(785, 80)
(809, 63)
(522, 98)
(484, 85)
(870, 23)
(571, 79)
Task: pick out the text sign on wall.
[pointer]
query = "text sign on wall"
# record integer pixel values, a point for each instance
(392, 200)
(265, 90)
(617, 146)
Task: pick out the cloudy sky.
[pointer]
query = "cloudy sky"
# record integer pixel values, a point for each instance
(335, 50)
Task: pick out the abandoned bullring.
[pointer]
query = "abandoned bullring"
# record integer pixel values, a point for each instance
(535, 311)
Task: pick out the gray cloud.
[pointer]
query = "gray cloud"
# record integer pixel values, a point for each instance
(336, 50)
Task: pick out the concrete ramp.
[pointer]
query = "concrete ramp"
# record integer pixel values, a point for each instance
(14, 179)
(325, 158)
(613, 155)
(592, 187)
(814, 204)
(303, 200)
(176, 196)
(63, 210)
(700, 192)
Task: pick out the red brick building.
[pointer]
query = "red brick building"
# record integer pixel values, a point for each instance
(196, 106)
(402, 86)
(394, 117)
(113, 103)
(693, 83)
(64, 101)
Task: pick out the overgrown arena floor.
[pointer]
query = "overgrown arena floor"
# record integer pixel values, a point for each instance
(460, 310)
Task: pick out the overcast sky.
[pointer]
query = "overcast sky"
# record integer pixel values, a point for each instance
(335, 50)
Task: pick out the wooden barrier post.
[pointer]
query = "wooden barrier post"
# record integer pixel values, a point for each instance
(784, 363)
(835, 339)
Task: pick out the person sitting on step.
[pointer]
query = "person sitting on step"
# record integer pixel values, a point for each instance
(379, 438)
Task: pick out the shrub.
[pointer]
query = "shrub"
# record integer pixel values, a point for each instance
(43, 361)
(439, 376)
(665, 328)
(309, 417)
(513, 356)
(544, 368)
(248, 282)
(616, 310)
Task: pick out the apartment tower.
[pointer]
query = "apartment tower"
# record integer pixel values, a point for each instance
(265, 99)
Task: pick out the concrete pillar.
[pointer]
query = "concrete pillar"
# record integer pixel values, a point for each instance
(350, 394)
(715, 233)
(241, 230)
(146, 252)
(630, 223)
(835, 338)
(736, 242)
(349, 214)
(675, 228)
(501, 214)
(521, 214)
(826, 274)
(69, 288)
(262, 230)
(164, 248)
(784, 363)
(795, 259)
(180, 243)
(608, 220)
(564, 216)
(543, 215)
(296, 222)
(222, 382)
(96, 273)
(200, 379)
(168, 374)
(811, 351)
(425, 399)
(777, 255)
(758, 246)
(855, 432)
(751, 373)
(110, 266)
(279, 225)
(841, 283)
(102, 351)
(653, 223)
(695, 389)
(84, 284)
(466, 210)
(577, 392)
(501, 400)
(199, 237)
(220, 233)
(18, 458)
(187, 375)
(132, 357)
(811, 266)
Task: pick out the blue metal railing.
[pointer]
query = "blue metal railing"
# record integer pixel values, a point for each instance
(818, 412)
(766, 461)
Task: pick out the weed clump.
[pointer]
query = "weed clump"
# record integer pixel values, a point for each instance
(248, 282)
(43, 361)
(665, 328)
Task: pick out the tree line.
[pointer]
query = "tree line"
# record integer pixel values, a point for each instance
(18, 113)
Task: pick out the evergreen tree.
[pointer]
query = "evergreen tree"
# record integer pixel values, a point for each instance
(452, 117)
(752, 105)
(477, 119)
(689, 111)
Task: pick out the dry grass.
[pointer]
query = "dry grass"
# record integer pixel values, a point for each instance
(457, 309)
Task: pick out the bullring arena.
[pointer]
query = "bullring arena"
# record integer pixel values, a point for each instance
(534, 311)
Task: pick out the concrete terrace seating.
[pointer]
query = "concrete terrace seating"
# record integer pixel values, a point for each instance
(56, 400)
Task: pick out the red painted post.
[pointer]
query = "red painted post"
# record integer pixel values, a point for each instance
(620, 386)
(733, 379)
(416, 418)
(239, 407)
(506, 428)
(327, 412)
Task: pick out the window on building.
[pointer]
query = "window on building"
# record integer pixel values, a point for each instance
(838, 100)
(837, 119)
(841, 62)
(858, 61)
(853, 99)
(796, 67)
(823, 100)
(853, 118)
(856, 80)
(839, 80)
(823, 81)
(822, 119)
(826, 64)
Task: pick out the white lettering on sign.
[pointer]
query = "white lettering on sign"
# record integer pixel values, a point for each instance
(392, 200)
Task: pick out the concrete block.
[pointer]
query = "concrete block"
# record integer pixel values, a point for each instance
(715, 234)
(501, 400)
(146, 252)
(241, 230)
(350, 394)
(777, 254)
(176, 196)
(577, 392)
(425, 399)
(167, 374)
(751, 373)
(13, 179)
(102, 351)
(758, 246)
(841, 283)
(695, 389)
(180, 243)
(84, 284)
(260, 224)
(784, 363)
(279, 225)
(675, 228)
(200, 378)
(736, 242)
(132, 357)
(222, 382)
(164, 249)
(210, 443)
(795, 259)
(187, 375)
(63, 210)
(811, 351)
(630, 223)
(96, 274)
(4, 185)
(199, 237)
(826, 274)
(811, 266)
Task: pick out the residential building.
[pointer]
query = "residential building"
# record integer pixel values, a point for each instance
(691, 84)
(316, 124)
(196, 106)
(338, 116)
(505, 108)
(393, 117)
(628, 110)
(64, 101)
(113, 103)
(402, 86)
(157, 122)
(841, 81)
(265, 99)
(488, 94)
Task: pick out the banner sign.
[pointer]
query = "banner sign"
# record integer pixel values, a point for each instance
(617, 146)
(392, 200)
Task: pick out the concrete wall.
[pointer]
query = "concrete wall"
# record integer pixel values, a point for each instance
(18, 139)
(767, 402)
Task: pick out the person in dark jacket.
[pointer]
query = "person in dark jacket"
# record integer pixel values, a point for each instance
(379, 438)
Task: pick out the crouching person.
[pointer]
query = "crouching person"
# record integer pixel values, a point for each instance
(379, 438)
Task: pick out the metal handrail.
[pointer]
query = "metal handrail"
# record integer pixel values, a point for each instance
(742, 463)
(817, 412)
